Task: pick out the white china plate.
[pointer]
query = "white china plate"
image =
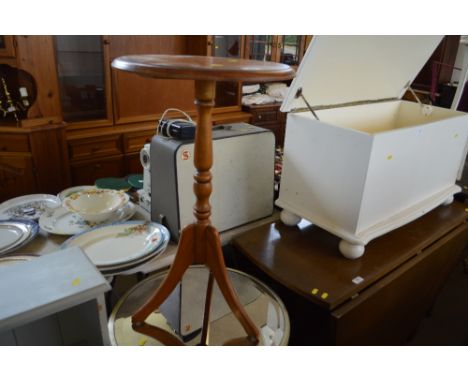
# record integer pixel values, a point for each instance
(16, 233)
(116, 269)
(28, 207)
(10, 234)
(120, 243)
(69, 191)
(13, 259)
(60, 221)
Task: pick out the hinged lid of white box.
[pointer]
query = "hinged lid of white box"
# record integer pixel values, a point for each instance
(345, 69)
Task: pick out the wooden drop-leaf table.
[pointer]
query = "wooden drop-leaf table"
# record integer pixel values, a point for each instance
(378, 299)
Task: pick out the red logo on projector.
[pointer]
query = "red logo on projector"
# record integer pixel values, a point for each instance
(185, 155)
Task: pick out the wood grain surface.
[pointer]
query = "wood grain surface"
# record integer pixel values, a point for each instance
(203, 68)
(307, 261)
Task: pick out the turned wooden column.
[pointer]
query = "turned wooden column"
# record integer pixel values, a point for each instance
(203, 154)
(203, 161)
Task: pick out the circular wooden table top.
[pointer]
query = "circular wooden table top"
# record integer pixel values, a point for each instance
(203, 68)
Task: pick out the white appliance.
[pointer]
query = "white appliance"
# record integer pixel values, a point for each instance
(145, 192)
(371, 162)
(243, 178)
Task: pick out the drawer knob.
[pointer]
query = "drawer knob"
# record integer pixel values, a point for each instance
(97, 165)
(259, 117)
(4, 148)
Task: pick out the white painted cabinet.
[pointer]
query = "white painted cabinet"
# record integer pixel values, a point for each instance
(56, 299)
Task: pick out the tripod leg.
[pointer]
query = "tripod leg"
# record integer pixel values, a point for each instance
(206, 314)
(183, 259)
(159, 334)
(215, 262)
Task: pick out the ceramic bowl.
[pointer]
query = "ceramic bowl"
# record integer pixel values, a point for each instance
(72, 190)
(97, 205)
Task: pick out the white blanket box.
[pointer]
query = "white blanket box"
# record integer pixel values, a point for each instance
(358, 161)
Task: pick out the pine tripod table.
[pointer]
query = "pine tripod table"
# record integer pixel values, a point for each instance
(199, 242)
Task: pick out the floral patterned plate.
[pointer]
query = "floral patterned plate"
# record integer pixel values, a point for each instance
(60, 221)
(117, 244)
(28, 207)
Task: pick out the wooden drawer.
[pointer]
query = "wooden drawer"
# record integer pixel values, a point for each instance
(14, 143)
(87, 172)
(134, 142)
(88, 148)
(260, 116)
(133, 164)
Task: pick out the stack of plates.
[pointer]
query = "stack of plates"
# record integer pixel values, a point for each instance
(117, 247)
(14, 259)
(15, 234)
(28, 206)
(61, 221)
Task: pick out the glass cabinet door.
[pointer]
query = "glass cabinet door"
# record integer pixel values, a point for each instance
(227, 93)
(261, 48)
(291, 47)
(81, 74)
(227, 46)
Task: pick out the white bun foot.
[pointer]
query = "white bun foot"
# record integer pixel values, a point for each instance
(351, 251)
(289, 218)
(448, 201)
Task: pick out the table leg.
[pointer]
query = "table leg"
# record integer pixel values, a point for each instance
(199, 242)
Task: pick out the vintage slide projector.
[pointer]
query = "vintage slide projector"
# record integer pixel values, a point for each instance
(358, 160)
(145, 160)
(243, 177)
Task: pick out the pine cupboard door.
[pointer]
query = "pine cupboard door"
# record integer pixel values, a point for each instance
(35, 55)
(16, 175)
(139, 99)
